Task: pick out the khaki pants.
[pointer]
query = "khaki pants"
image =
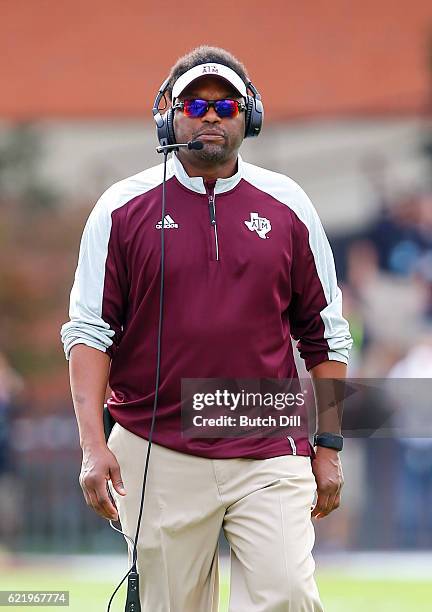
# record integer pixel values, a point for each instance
(263, 505)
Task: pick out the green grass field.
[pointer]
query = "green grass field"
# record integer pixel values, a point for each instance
(339, 593)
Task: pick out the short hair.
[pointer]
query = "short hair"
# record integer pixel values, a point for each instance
(205, 55)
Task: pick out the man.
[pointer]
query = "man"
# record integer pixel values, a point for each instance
(235, 291)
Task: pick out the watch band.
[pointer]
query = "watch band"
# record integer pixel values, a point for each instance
(329, 440)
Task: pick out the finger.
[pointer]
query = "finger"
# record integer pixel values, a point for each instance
(332, 502)
(321, 504)
(102, 505)
(108, 510)
(92, 501)
(86, 497)
(111, 496)
(326, 509)
(331, 499)
(335, 502)
(116, 479)
(85, 493)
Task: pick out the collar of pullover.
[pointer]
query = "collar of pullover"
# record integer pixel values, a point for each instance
(196, 183)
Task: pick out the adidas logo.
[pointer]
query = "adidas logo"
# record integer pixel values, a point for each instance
(168, 223)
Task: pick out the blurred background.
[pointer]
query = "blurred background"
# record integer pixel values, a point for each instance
(347, 89)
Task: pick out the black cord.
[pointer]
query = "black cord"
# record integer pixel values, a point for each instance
(159, 342)
(133, 567)
(117, 588)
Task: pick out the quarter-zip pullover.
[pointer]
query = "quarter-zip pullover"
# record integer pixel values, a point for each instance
(247, 266)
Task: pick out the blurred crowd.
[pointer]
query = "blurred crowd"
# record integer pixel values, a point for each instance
(385, 271)
(11, 384)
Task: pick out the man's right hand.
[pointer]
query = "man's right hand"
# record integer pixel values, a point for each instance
(98, 466)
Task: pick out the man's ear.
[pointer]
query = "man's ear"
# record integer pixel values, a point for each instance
(168, 100)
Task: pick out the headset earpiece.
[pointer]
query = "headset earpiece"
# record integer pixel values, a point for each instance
(169, 119)
(254, 113)
(248, 114)
(165, 122)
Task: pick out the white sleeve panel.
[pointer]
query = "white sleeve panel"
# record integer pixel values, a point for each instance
(86, 325)
(336, 327)
(288, 192)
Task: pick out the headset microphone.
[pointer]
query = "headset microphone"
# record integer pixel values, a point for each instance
(192, 144)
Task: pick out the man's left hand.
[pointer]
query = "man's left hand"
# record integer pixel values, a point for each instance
(327, 469)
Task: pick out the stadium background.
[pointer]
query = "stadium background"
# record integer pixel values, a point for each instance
(347, 88)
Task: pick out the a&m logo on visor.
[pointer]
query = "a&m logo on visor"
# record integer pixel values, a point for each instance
(210, 69)
(258, 224)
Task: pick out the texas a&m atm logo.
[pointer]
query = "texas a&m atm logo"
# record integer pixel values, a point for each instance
(258, 224)
(210, 69)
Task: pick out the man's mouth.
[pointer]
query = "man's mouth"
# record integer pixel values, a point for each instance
(210, 136)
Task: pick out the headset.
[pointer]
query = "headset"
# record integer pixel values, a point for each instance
(165, 122)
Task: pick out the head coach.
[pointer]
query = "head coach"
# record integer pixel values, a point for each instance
(245, 266)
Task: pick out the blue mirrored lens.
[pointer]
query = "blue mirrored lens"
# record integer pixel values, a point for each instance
(195, 108)
(226, 108)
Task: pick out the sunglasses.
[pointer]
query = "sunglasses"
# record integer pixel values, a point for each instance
(198, 108)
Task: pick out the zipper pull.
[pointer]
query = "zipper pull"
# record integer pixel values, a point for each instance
(212, 210)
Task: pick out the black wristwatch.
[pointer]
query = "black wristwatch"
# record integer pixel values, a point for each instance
(329, 440)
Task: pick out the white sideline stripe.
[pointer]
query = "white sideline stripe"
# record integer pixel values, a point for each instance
(94, 568)
(393, 564)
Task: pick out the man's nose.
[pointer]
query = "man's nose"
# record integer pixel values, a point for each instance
(211, 116)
